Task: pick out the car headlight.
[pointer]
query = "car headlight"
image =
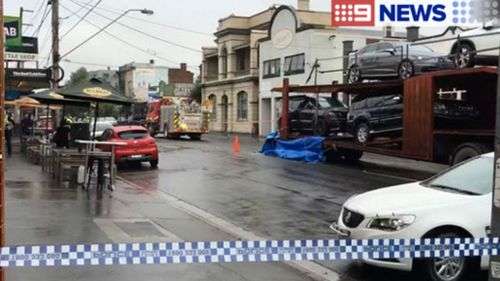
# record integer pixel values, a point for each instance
(394, 223)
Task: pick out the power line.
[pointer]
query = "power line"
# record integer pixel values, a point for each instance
(117, 12)
(142, 32)
(126, 42)
(73, 13)
(81, 19)
(37, 12)
(44, 17)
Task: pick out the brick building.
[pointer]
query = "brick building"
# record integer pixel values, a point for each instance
(181, 81)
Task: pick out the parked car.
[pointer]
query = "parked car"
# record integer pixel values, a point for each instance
(101, 126)
(454, 203)
(383, 115)
(477, 39)
(141, 147)
(302, 111)
(394, 60)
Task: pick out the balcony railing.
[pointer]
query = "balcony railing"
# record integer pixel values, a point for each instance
(243, 72)
(212, 77)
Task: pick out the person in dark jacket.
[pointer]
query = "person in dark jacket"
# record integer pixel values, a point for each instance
(63, 135)
(27, 125)
(9, 128)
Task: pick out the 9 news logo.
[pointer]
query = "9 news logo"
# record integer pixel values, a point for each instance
(353, 12)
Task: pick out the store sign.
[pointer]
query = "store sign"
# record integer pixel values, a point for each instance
(97, 92)
(10, 56)
(282, 39)
(12, 30)
(35, 75)
(28, 45)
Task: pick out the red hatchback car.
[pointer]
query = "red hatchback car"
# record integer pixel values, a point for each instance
(141, 147)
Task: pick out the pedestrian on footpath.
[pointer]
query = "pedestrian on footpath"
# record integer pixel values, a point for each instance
(63, 135)
(27, 125)
(9, 127)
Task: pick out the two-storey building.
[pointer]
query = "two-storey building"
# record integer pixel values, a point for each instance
(230, 72)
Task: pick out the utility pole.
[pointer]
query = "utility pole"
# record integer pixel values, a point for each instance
(494, 272)
(55, 42)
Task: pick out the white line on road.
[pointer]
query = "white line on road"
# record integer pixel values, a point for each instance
(312, 269)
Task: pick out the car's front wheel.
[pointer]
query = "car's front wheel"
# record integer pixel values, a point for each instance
(447, 269)
(362, 133)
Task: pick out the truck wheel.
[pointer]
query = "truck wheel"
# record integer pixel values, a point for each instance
(467, 151)
(362, 133)
(195, 137)
(352, 156)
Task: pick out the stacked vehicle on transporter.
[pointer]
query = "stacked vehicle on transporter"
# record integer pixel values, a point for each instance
(174, 116)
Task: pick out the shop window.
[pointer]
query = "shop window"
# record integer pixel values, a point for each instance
(294, 64)
(272, 68)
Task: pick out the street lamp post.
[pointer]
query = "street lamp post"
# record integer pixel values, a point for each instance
(143, 11)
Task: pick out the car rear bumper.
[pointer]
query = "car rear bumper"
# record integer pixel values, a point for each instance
(136, 155)
(134, 158)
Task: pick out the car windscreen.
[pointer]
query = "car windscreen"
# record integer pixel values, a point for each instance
(133, 135)
(420, 49)
(335, 102)
(471, 177)
(102, 126)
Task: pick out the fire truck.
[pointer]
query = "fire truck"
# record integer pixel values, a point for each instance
(173, 117)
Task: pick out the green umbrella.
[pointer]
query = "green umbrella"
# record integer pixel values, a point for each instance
(96, 91)
(52, 97)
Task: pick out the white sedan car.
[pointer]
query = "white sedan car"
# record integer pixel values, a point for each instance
(454, 203)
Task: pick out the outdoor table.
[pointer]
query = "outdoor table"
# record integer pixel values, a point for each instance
(60, 153)
(90, 152)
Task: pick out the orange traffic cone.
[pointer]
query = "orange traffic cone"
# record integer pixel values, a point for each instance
(236, 144)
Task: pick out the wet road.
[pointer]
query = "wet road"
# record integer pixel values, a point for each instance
(272, 198)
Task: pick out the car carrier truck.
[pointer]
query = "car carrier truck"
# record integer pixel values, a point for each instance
(421, 138)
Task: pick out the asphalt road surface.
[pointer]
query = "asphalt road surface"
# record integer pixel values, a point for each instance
(272, 198)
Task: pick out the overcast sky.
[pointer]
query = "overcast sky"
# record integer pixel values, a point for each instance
(192, 24)
(200, 16)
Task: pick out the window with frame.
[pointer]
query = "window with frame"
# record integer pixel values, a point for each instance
(242, 106)
(272, 68)
(213, 101)
(294, 64)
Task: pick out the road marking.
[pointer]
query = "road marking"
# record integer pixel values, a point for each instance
(312, 269)
(117, 235)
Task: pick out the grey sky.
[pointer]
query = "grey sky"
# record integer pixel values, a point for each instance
(199, 15)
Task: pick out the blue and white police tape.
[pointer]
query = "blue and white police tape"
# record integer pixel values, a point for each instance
(243, 251)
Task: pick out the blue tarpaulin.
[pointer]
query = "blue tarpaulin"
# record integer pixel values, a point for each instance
(309, 149)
